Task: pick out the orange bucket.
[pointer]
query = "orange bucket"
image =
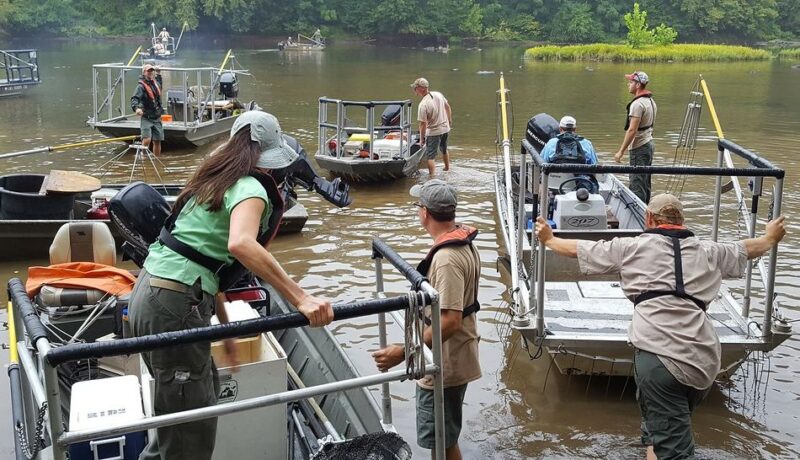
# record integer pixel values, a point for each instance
(166, 118)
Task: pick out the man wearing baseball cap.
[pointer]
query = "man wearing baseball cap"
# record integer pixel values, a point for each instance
(435, 120)
(146, 102)
(671, 277)
(640, 118)
(568, 147)
(454, 269)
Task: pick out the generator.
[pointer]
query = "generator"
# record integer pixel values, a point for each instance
(580, 210)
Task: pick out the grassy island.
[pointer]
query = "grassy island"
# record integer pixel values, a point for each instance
(791, 53)
(655, 53)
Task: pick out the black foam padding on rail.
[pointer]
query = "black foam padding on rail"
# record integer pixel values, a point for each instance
(381, 249)
(76, 351)
(30, 318)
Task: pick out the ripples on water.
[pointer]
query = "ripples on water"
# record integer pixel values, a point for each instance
(516, 410)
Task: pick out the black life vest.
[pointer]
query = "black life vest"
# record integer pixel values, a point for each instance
(679, 291)
(462, 235)
(569, 149)
(648, 95)
(228, 273)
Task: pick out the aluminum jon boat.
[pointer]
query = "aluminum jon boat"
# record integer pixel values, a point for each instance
(582, 322)
(368, 152)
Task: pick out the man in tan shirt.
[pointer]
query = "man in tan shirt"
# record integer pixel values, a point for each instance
(640, 119)
(670, 276)
(435, 120)
(454, 269)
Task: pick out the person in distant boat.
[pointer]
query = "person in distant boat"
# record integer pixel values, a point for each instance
(435, 121)
(224, 220)
(164, 36)
(289, 41)
(568, 147)
(146, 102)
(640, 119)
(671, 277)
(317, 37)
(159, 48)
(453, 267)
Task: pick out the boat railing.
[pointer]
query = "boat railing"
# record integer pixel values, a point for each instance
(341, 127)
(758, 169)
(41, 383)
(111, 79)
(20, 66)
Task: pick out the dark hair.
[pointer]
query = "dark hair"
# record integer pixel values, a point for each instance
(442, 216)
(229, 163)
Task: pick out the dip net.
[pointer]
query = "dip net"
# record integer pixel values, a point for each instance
(372, 446)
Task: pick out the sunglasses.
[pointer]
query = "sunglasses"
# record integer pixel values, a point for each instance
(150, 70)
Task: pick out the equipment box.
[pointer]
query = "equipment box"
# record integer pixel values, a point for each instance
(102, 403)
(387, 149)
(253, 434)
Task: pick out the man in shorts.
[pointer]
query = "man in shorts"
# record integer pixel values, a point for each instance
(146, 102)
(453, 267)
(435, 120)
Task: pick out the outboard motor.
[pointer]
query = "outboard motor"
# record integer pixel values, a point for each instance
(391, 115)
(541, 128)
(228, 85)
(139, 211)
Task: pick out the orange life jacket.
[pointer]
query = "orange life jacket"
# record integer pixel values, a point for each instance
(80, 275)
(149, 89)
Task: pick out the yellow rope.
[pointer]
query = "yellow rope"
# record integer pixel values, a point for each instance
(98, 141)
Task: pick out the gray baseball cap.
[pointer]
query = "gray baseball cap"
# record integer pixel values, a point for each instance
(265, 130)
(436, 195)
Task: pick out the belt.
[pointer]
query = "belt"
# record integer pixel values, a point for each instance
(169, 284)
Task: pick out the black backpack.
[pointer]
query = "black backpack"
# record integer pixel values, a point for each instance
(569, 149)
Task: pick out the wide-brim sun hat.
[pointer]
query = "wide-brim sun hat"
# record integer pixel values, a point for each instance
(265, 129)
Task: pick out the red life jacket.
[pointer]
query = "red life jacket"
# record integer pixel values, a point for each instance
(460, 236)
(148, 88)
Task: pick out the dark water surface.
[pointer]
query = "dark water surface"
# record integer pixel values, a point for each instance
(516, 410)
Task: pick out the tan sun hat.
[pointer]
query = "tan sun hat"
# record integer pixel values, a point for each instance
(666, 205)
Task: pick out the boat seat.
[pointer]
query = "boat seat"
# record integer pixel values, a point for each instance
(83, 242)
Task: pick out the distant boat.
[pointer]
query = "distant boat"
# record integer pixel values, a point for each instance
(162, 45)
(303, 43)
(19, 70)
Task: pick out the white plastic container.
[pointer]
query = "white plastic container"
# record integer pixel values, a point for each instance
(386, 149)
(104, 194)
(570, 213)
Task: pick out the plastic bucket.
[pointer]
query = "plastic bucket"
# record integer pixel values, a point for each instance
(20, 199)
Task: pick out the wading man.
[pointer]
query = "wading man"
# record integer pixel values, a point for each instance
(146, 102)
(453, 268)
(435, 120)
(640, 118)
(671, 277)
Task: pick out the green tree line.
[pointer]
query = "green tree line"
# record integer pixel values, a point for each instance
(558, 21)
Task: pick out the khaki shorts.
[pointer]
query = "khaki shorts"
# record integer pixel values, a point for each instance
(434, 144)
(152, 129)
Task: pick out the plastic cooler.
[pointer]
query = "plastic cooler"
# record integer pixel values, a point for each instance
(103, 403)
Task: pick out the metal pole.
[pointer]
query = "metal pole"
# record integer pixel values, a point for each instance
(386, 397)
(769, 295)
(26, 361)
(55, 423)
(339, 121)
(717, 195)
(371, 128)
(95, 110)
(540, 262)
(522, 222)
(535, 178)
(751, 233)
(122, 94)
(185, 79)
(109, 93)
(438, 378)
(321, 130)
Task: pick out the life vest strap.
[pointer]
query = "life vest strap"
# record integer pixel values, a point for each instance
(679, 290)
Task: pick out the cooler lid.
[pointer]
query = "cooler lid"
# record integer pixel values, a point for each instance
(98, 403)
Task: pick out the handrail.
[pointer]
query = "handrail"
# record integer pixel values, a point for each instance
(381, 249)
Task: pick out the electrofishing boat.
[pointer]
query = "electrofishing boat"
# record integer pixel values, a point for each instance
(200, 103)
(303, 43)
(582, 321)
(19, 70)
(163, 45)
(371, 152)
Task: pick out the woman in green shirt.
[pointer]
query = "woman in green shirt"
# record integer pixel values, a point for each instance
(219, 214)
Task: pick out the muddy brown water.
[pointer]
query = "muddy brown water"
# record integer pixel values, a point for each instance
(516, 410)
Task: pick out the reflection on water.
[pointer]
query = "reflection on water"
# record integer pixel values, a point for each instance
(521, 407)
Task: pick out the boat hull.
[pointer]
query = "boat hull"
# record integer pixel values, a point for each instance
(176, 134)
(365, 170)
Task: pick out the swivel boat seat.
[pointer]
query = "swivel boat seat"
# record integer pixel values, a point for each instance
(83, 242)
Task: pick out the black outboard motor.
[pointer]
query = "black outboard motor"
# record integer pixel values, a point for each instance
(300, 172)
(139, 211)
(541, 128)
(228, 85)
(391, 115)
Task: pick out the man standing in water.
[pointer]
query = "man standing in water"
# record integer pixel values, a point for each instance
(435, 120)
(146, 102)
(671, 277)
(454, 269)
(639, 121)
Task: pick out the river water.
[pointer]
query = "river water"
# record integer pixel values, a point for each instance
(516, 410)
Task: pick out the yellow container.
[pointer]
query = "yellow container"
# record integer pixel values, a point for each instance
(360, 137)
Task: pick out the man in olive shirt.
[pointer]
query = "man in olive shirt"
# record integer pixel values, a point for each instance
(454, 269)
(640, 119)
(677, 351)
(146, 102)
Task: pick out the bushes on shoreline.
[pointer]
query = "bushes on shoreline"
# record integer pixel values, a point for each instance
(791, 53)
(625, 53)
